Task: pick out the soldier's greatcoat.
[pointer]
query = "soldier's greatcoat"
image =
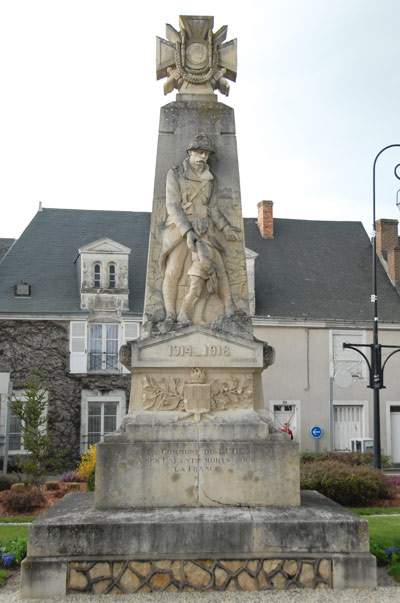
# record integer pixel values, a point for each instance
(192, 204)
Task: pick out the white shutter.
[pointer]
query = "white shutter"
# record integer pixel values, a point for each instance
(78, 346)
(348, 424)
(130, 331)
(347, 359)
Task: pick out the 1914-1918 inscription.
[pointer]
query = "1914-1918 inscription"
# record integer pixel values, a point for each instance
(201, 350)
(189, 459)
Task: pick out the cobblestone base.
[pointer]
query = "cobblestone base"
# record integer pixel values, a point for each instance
(124, 577)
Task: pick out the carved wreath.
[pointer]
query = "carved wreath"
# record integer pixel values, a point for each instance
(167, 393)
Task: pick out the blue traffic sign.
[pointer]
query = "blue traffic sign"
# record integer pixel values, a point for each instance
(316, 432)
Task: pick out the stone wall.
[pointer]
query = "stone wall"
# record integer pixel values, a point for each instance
(44, 345)
(126, 577)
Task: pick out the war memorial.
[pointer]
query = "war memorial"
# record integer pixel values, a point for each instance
(197, 490)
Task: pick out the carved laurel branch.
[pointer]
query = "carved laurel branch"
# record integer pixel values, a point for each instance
(167, 393)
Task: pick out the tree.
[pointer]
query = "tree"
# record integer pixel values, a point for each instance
(30, 409)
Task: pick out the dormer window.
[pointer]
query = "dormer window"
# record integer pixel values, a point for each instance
(103, 274)
(111, 276)
(97, 276)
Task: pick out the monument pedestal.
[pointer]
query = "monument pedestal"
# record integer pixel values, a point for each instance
(75, 548)
(159, 460)
(192, 437)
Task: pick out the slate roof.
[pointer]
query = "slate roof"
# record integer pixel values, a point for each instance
(44, 257)
(310, 270)
(5, 245)
(318, 270)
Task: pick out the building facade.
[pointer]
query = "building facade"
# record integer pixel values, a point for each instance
(72, 289)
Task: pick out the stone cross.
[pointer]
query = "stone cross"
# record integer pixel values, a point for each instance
(195, 60)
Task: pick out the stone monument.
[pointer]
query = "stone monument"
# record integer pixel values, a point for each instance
(193, 436)
(196, 490)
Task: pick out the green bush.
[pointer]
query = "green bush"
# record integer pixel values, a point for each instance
(346, 484)
(14, 551)
(349, 458)
(5, 482)
(91, 481)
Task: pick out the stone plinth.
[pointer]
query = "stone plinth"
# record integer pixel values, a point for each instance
(159, 460)
(81, 549)
(192, 437)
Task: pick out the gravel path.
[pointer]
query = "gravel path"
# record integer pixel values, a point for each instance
(388, 591)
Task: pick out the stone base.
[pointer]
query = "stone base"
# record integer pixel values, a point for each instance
(75, 548)
(160, 459)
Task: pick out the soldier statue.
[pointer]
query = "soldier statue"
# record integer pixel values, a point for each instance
(188, 236)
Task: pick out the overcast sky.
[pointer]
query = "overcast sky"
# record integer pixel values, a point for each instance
(317, 96)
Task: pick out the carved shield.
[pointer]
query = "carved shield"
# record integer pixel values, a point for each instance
(197, 397)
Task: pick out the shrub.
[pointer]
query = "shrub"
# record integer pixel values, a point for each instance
(394, 479)
(73, 486)
(349, 458)
(6, 482)
(17, 487)
(20, 502)
(71, 476)
(30, 411)
(347, 485)
(91, 481)
(51, 485)
(87, 463)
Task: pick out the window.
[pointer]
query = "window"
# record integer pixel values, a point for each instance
(15, 445)
(97, 276)
(15, 441)
(346, 359)
(287, 411)
(95, 346)
(111, 276)
(103, 350)
(22, 290)
(100, 414)
(102, 419)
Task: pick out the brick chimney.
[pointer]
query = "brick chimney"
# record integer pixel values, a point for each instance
(393, 267)
(265, 219)
(387, 248)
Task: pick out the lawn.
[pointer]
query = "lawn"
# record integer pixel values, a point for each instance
(375, 510)
(18, 519)
(11, 532)
(384, 529)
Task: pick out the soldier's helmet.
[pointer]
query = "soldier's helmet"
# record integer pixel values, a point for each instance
(201, 142)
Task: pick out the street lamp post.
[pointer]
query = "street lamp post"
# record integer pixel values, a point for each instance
(375, 366)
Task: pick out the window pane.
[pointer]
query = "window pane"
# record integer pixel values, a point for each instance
(94, 422)
(97, 275)
(112, 347)
(111, 276)
(95, 347)
(110, 416)
(110, 409)
(95, 362)
(112, 361)
(95, 332)
(112, 332)
(94, 409)
(15, 441)
(93, 438)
